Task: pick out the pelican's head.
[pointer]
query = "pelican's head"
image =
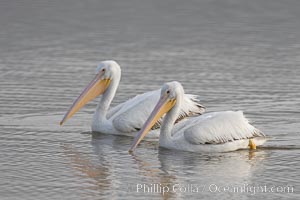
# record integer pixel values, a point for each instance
(109, 68)
(105, 73)
(171, 92)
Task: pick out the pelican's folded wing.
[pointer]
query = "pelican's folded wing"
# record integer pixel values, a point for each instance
(220, 127)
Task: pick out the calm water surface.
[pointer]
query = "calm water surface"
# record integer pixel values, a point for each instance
(236, 54)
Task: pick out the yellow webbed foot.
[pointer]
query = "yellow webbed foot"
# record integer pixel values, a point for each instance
(251, 144)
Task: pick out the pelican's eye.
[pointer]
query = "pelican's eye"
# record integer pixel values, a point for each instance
(103, 70)
(168, 91)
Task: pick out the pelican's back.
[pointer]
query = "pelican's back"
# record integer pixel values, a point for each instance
(220, 127)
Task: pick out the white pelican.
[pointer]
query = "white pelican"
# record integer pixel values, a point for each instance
(211, 132)
(128, 117)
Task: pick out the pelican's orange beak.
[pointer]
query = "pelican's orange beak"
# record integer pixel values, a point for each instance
(95, 88)
(163, 106)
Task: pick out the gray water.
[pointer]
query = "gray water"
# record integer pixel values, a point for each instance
(236, 54)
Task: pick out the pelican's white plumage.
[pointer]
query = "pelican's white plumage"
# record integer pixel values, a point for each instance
(210, 132)
(128, 117)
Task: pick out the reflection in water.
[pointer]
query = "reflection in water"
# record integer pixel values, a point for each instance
(99, 173)
(251, 154)
(206, 169)
(155, 177)
(183, 173)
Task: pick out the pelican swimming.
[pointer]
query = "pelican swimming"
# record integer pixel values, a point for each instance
(128, 117)
(211, 132)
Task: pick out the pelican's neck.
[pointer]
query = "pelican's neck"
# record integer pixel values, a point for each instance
(106, 99)
(168, 123)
